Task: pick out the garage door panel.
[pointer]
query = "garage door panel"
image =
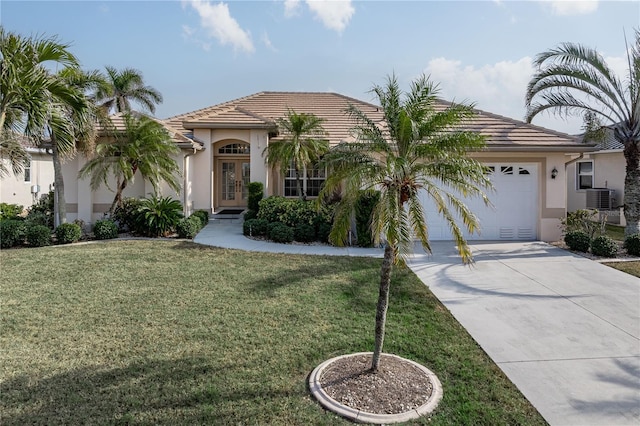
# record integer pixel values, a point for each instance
(513, 215)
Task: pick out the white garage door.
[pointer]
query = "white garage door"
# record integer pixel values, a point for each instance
(514, 214)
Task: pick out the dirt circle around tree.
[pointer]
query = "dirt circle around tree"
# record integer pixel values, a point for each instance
(401, 390)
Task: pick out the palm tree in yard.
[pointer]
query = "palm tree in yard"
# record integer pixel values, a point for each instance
(303, 143)
(27, 90)
(123, 87)
(420, 150)
(143, 146)
(574, 79)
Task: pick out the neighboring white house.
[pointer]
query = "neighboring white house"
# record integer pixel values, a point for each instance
(222, 151)
(596, 180)
(37, 179)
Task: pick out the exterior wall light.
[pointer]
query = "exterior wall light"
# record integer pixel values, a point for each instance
(554, 173)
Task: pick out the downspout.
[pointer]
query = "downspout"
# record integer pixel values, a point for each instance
(184, 181)
(580, 157)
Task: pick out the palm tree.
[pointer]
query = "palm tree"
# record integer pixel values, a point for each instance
(126, 86)
(574, 79)
(71, 125)
(143, 146)
(26, 88)
(303, 143)
(420, 149)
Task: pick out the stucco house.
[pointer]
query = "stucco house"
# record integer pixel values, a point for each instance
(595, 180)
(36, 179)
(222, 151)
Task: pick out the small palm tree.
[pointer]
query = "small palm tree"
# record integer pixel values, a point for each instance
(420, 149)
(123, 87)
(145, 147)
(574, 79)
(303, 143)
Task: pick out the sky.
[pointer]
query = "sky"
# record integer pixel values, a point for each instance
(199, 53)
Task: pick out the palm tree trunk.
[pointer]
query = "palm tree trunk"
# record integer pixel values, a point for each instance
(383, 304)
(117, 200)
(632, 188)
(301, 194)
(60, 205)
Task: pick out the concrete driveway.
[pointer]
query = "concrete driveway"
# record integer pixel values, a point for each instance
(564, 329)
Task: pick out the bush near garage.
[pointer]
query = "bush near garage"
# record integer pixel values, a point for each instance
(578, 241)
(604, 246)
(632, 244)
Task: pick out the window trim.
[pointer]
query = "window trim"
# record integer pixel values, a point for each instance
(26, 174)
(579, 174)
(307, 177)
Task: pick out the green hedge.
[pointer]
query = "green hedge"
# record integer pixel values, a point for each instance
(68, 233)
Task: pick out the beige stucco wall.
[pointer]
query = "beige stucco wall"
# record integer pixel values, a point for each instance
(608, 172)
(14, 189)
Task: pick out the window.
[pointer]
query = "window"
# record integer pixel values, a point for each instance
(234, 148)
(584, 175)
(311, 180)
(27, 171)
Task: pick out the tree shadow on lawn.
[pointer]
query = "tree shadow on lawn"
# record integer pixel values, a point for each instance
(181, 391)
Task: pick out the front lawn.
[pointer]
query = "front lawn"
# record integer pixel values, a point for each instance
(173, 333)
(631, 268)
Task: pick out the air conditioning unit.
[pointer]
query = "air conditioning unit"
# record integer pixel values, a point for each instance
(601, 198)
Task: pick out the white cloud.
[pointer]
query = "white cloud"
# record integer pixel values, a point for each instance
(334, 14)
(497, 88)
(216, 20)
(572, 7)
(291, 8)
(267, 42)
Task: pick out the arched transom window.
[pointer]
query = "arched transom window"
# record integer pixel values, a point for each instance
(235, 148)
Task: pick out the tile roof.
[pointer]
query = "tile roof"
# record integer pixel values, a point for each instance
(177, 133)
(260, 110)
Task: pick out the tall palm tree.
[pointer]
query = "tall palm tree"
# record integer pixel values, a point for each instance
(71, 125)
(420, 149)
(303, 143)
(574, 79)
(26, 88)
(123, 87)
(143, 146)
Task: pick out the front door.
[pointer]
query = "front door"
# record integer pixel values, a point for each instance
(233, 178)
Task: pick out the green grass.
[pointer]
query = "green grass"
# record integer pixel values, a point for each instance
(172, 333)
(631, 268)
(615, 231)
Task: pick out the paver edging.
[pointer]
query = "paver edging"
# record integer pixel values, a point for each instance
(365, 417)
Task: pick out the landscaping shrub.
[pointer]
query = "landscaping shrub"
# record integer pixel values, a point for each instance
(11, 232)
(582, 220)
(10, 211)
(632, 244)
(304, 233)
(203, 215)
(364, 208)
(68, 233)
(126, 214)
(323, 229)
(38, 218)
(105, 229)
(255, 227)
(280, 233)
(189, 227)
(256, 192)
(158, 216)
(578, 241)
(604, 246)
(42, 210)
(38, 235)
(250, 214)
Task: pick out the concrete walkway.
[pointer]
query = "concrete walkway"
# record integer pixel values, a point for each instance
(564, 329)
